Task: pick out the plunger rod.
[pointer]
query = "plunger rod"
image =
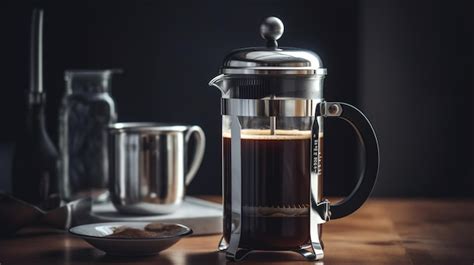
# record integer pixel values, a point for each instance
(272, 125)
(272, 120)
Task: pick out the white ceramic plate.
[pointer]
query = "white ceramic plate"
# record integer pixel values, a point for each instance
(95, 234)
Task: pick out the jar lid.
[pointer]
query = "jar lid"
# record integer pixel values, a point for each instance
(271, 59)
(146, 127)
(89, 81)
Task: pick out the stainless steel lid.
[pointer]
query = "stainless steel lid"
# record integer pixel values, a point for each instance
(146, 127)
(271, 59)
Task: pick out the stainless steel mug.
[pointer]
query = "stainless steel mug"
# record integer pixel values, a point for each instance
(148, 165)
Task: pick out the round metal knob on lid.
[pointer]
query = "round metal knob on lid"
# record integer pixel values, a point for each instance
(272, 29)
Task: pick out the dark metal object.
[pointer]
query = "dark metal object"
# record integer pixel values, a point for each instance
(34, 170)
(16, 214)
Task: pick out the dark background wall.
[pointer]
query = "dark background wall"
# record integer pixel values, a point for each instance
(415, 83)
(408, 66)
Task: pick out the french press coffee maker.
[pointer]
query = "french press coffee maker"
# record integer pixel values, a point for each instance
(273, 113)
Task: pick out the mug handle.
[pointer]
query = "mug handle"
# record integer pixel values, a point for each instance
(198, 152)
(370, 147)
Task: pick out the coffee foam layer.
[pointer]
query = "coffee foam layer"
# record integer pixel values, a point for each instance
(266, 134)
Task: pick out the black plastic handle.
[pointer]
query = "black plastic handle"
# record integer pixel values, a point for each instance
(370, 147)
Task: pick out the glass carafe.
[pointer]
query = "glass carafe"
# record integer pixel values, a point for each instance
(272, 161)
(87, 110)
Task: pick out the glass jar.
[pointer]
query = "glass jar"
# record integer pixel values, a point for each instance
(86, 111)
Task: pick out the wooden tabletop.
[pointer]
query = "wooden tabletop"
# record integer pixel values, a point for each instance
(382, 232)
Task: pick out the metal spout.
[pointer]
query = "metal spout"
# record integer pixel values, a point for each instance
(217, 82)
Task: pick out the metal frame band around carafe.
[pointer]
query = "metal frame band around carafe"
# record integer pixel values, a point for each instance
(319, 209)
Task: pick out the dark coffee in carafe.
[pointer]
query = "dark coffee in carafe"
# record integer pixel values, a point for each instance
(275, 172)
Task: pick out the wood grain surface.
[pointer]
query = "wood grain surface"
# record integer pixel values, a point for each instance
(381, 232)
